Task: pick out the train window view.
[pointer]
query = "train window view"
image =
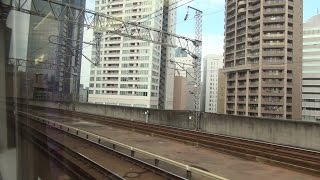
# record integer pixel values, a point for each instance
(159, 89)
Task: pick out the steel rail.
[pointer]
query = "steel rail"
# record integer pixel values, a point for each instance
(188, 169)
(80, 173)
(298, 158)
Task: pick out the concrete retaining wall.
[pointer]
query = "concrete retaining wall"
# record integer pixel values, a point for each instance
(286, 132)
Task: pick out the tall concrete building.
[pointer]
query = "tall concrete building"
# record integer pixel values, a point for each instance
(182, 65)
(51, 42)
(211, 71)
(311, 70)
(134, 72)
(263, 45)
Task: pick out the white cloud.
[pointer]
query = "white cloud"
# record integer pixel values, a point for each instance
(212, 44)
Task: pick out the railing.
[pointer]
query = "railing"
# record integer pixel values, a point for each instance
(86, 135)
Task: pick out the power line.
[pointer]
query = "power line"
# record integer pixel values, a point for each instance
(102, 8)
(158, 14)
(135, 21)
(206, 14)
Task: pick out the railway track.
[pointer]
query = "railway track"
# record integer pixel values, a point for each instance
(290, 157)
(72, 161)
(80, 165)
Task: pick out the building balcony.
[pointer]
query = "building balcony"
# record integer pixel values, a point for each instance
(272, 93)
(237, 68)
(242, 3)
(233, 78)
(273, 53)
(241, 109)
(242, 77)
(230, 93)
(272, 102)
(230, 101)
(229, 59)
(111, 80)
(229, 52)
(273, 20)
(254, 15)
(254, 76)
(230, 108)
(253, 1)
(231, 23)
(240, 56)
(253, 102)
(274, 28)
(111, 66)
(253, 40)
(254, 92)
(229, 2)
(239, 49)
(231, 86)
(232, 8)
(239, 19)
(254, 84)
(254, 8)
(230, 30)
(271, 3)
(272, 111)
(242, 100)
(242, 85)
(273, 36)
(228, 45)
(275, 11)
(254, 47)
(253, 110)
(270, 76)
(274, 45)
(241, 33)
(241, 10)
(109, 93)
(116, 7)
(276, 84)
(231, 15)
(254, 31)
(110, 87)
(241, 93)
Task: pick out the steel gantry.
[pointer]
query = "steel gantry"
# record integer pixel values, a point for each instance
(103, 23)
(196, 55)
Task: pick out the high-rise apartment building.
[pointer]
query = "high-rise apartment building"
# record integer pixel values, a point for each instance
(211, 70)
(311, 70)
(135, 72)
(263, 45)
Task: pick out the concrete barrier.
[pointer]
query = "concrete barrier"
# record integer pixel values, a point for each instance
(286, 132)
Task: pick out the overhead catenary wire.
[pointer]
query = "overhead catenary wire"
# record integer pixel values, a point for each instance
(157, 15)
(140, 18)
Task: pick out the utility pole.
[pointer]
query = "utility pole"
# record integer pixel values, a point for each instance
(197, 64)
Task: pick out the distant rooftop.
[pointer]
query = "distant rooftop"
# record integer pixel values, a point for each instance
(313, 21)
